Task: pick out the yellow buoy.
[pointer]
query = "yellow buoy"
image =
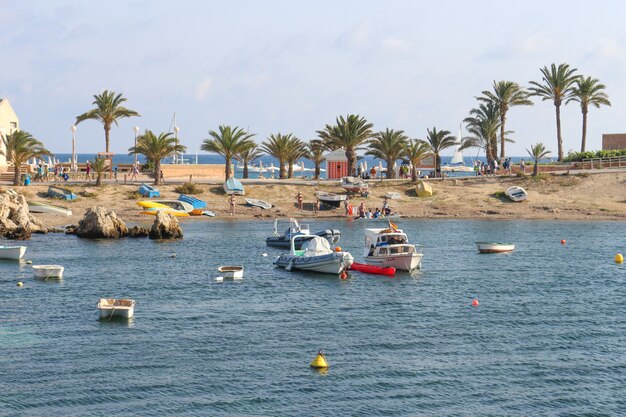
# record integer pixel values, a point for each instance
(19, 283)
(319, 361)
(619, 258)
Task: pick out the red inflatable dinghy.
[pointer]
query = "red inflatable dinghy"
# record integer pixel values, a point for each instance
(371, 269)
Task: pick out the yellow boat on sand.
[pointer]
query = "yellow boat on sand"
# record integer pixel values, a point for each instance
(175, 213)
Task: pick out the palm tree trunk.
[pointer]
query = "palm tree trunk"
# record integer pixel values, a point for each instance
(99, 179)
(157, 172)
(16, 174)
(536, 168)
(351, 155)
(437, 165)
(317, 170)
(391, 168)
(502, 122)
(413, 172)
(107, 131)
(227, 171)
(245, 169)
(281, 171)
(584, 140)
(290, 172)
(559, 139)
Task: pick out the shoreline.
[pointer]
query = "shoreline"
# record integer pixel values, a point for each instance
(601, 196)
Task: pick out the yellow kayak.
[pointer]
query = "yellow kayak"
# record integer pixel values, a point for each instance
(168, 210)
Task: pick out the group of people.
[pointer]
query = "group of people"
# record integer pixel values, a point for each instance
(494, 167)
(368, 213)
(58, 171)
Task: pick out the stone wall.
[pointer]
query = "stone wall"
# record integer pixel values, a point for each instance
(203, 171)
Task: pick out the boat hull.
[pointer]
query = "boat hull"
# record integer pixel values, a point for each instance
(233, 272)
(48, 209)
(401, 262)
(332, 263)
(62, 193)
(148, 191)
(12, 252)
(516, 194)
(175, 213)
(371, 269)
(484, 247)
(48, 271)
(107, 308)
(258, 203)
(331, 235)
(232, 186)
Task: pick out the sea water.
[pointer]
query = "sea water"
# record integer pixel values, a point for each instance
(546, 339)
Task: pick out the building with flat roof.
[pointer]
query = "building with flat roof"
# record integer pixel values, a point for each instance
(9, 123)
(613, 141)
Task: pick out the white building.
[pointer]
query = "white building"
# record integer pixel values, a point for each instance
(9, 123)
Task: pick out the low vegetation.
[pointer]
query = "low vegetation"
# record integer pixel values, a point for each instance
(188, 188)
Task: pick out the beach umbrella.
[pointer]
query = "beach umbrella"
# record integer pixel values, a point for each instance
(261, 169)
(380, 169)
(302, 166)
(365, 166)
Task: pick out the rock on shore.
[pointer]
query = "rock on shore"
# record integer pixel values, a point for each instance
(100, 223)
(165, 226)
(15, 220)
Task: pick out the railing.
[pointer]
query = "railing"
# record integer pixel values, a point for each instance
(612, 162)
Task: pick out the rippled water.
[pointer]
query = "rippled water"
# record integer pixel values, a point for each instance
(547, 339)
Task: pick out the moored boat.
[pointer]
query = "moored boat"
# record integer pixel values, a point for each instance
(116, 307)
(234, 272)
(516, 193)
(62, 193)
(494, 247)
(35, 207)
(295, 229)
(316, 256)
(330, 199)
(390, 248)
(371, 269)
(258, 203)
(48, 271)
(232, 186)
(148, 191)
(12, 252)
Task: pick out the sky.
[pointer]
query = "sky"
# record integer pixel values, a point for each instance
(294, 66)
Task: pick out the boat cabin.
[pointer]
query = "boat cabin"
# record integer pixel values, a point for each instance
(386, 242)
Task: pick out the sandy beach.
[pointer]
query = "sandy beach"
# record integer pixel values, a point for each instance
(559, 197)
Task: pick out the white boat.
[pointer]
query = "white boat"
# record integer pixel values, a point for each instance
(258, 203)
(48, 271)
(390, 248)
(12, 252)
(493, 247)
(393, 195)
(116, 307)
(167, 204)
(516, 193)
(457, 163)
(234, 272)
(331, 199)
(316, 256)
(34, 207)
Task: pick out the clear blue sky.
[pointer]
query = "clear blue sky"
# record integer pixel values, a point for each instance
(292, 66)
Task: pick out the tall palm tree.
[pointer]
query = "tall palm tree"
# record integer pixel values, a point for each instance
(437, 141)
(588, 91)
(388, 145)
(505, 95)
(228, 142)
(278, 146)
(316, 150)
(414, 151)
(483, 126)
(537, 153)
(99, 166)
(155, 148)
(557, 86)
(19, 147)
(248, 155)
(349, 133)
(296, 150)
(108, 110)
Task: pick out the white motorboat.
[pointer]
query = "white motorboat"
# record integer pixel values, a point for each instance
(116, 307)
(393, 195)
(258, 203)
(302, 230)
(331, 199)
(390, 248)
(492, 247)
(48, 271)
(12, 252)
(234, 272)
(516, 193)
(355, 185)
(316, 256)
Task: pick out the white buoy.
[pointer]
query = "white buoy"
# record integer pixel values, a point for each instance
(264, 254)
(219, 279)
(173, 255)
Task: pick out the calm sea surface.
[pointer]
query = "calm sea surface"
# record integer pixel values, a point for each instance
(549, 336)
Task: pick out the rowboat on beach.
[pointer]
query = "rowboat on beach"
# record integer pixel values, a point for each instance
(35, 207)
(195, 203)
(148, 191)
(12, 252)
(176, 213)
(330, 199)
(166, 204)
(116, 307)
(232, 186)
(393, 195)
(516, 193)
(258, 203)
(62, 193)
(492, 247)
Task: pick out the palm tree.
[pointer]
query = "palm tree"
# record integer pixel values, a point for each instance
(315, 153)
(99, 166)
(483, 126)
(247, 155)
(296, 150)
(228, 142)
(19, 147)
(537, 153)
(108, 110)
(278, 146)
(414, 151)
(155, 148)
(388, 146)
(505, 95)
(557, 86)
(588, 91)
(437, 141)
(349, 133)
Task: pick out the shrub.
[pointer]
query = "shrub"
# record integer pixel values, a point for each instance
(133, 195)
(579, 156)
(188, 188)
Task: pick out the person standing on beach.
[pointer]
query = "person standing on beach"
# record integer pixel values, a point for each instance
(299, 198)
(373, 173)
(522, 166)
(88, 171)
(362, 210)
(231, 202)
(134, 171)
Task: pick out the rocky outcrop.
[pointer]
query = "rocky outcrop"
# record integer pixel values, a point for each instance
(15, 220)
(100, 223)
(137, 231)
(165, 226)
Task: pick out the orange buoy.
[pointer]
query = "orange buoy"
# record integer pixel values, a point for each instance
(343, 275)
(337, 248)
(475, 303)
(563, 242)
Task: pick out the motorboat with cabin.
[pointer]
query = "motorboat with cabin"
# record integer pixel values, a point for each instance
(390, 248)
(316, 255)
(295, 229)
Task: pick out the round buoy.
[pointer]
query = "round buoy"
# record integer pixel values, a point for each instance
(475, 303)
(563, 242)
(319, 361)
(264, 254)
(343, 275)
(173, 255)
(619, 258)
(20, 283)
(337, 248)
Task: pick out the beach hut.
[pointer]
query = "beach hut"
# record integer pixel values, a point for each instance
(336, 164)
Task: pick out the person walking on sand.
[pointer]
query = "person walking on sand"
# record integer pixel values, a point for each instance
(522, 166)
(316, 206)
(134, 171)
(231, 202)
(161, 177)
(88, 171)
(299, 198)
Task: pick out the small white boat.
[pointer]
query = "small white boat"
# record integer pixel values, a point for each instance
(393, 195)
(516, 193)
(316, 256)
(116, 307)
(48, 271)
(12, 252)
(491, 247)
(258, 203)
(234, 272)
(331, 199)
(390, 248)
(355, 185)
(34, 207)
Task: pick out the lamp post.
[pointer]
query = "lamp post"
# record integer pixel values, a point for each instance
(74, 165)
(176, 129)
(136, 129)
